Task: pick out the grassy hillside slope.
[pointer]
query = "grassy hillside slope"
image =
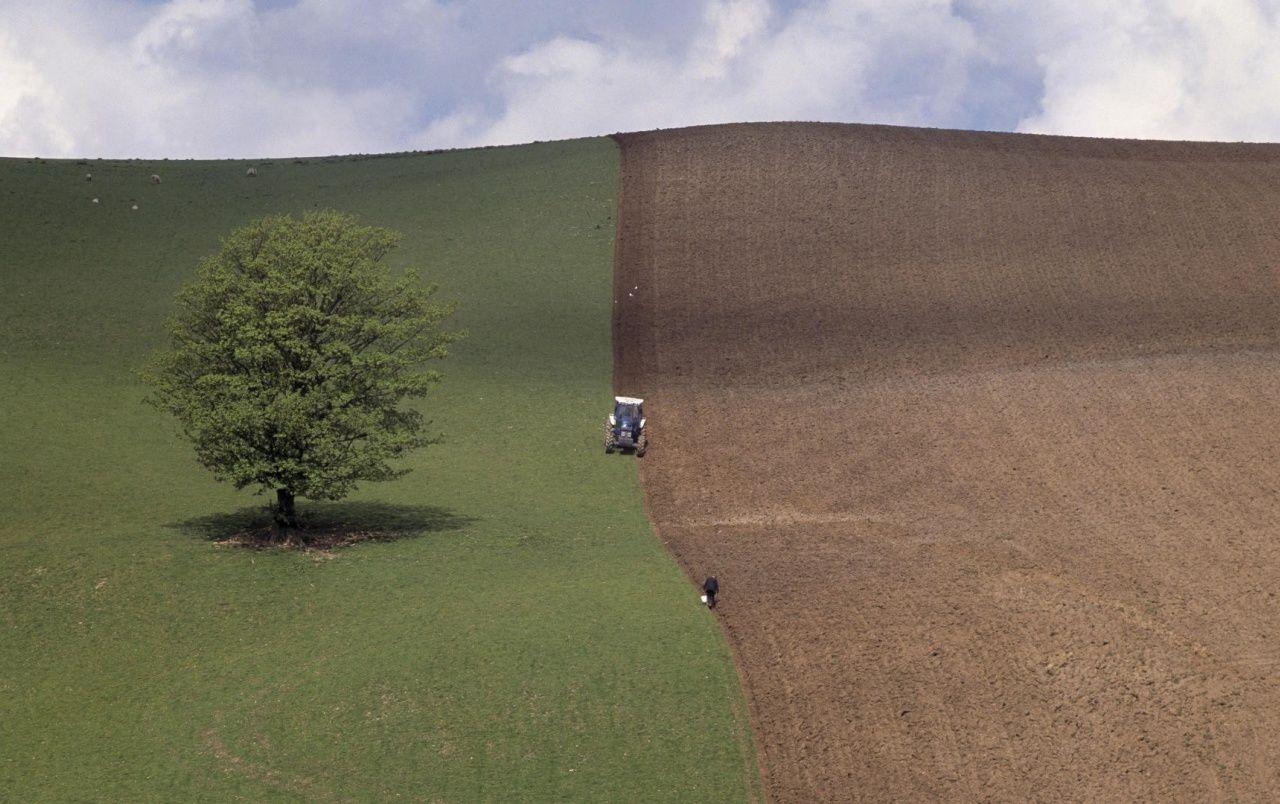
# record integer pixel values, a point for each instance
(531, 640)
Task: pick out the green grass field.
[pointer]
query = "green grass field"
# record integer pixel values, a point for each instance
(529, 639)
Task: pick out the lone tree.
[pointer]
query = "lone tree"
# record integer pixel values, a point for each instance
(291, 357)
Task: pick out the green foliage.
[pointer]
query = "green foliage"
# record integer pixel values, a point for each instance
(293, 353)
(533, 642)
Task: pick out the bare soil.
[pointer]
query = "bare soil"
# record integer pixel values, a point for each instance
(266, 537)
(978, 433)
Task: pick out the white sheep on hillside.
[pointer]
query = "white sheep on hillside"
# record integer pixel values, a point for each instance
(155, 178)
(251, 172)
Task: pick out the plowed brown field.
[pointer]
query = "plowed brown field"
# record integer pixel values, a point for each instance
(979, 434)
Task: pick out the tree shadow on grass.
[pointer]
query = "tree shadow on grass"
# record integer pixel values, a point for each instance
(323, 525)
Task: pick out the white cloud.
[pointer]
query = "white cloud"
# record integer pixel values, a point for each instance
(902, 62)
(732, 24)
(190, 30)
(26, 121)
(202, 78)
(1169, 69)
(210, 78)
(559, 57)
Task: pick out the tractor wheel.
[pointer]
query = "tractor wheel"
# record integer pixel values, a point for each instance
(641, 446)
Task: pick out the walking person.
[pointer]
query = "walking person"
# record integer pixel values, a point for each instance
(711, 586)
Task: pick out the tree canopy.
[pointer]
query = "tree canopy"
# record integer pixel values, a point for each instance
(293, 354)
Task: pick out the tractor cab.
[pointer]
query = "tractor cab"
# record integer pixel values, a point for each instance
(625, 428)
(627, 410)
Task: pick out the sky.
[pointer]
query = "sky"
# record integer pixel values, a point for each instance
(274, 78)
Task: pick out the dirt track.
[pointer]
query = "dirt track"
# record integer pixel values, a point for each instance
(979, 434)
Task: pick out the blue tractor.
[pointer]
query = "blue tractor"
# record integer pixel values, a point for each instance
(625, 428)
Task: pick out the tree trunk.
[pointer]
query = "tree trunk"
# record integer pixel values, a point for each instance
(286, 518)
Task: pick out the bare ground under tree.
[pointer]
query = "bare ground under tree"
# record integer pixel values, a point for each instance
(324, 525)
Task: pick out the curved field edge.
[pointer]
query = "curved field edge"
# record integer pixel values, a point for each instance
(1001, 522)
(530, 639)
